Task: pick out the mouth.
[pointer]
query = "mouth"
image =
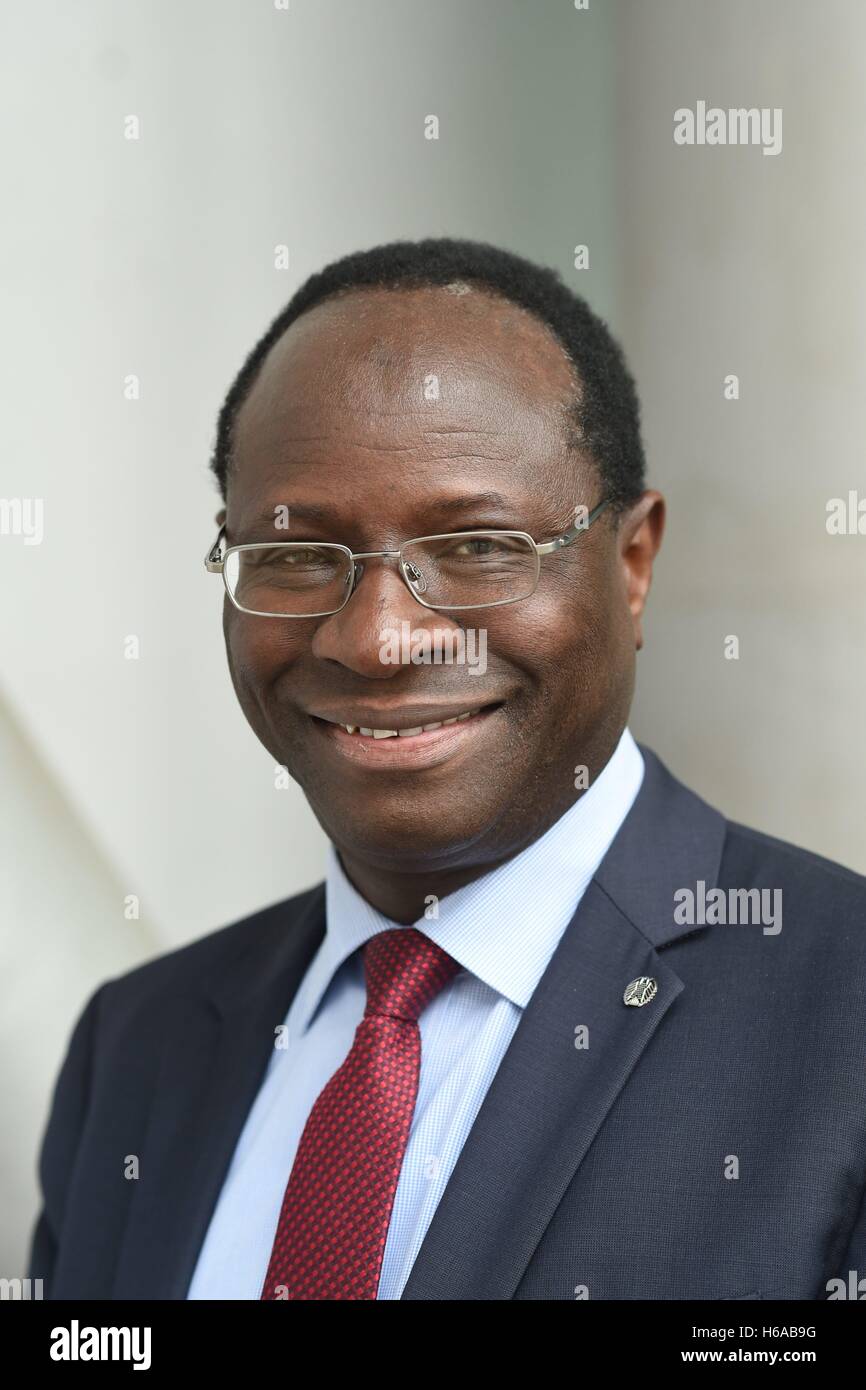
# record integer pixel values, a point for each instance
(407, 738)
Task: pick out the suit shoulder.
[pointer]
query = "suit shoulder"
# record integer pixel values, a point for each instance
(752, 848)
(185, 965)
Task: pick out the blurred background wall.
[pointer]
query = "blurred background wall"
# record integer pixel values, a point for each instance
(138, 810)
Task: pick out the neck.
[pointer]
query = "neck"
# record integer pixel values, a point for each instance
(404, 898)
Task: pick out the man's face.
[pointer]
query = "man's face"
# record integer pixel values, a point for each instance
(339, 421)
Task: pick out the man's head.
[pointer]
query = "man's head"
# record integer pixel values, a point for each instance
(333, 417)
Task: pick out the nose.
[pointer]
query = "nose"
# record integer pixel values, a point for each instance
(359, 637)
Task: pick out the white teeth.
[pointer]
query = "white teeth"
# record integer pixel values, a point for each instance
(407, 733)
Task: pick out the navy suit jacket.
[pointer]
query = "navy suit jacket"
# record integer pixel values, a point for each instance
(710, 1143)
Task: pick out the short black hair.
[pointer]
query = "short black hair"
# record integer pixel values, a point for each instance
(605, 416)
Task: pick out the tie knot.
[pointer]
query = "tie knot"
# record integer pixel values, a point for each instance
(404, 971)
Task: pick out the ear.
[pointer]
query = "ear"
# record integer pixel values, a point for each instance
(640, 536)
(220, 517)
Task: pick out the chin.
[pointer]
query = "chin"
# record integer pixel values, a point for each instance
(406, 843)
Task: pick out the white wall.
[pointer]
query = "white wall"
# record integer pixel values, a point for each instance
(734, 261)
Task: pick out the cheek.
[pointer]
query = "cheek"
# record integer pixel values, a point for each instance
(557, 636)
(572, 639)
(258, 649)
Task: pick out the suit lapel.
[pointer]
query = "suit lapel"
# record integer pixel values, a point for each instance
(216, 1046)
(549, 1098)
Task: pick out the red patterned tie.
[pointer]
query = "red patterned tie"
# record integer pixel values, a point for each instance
(337, 1206)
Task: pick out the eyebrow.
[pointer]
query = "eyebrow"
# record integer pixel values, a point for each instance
(446, 506)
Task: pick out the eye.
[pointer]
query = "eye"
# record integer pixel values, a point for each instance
(476, 545)
(486, 547)
(308, 556)
(277, 558)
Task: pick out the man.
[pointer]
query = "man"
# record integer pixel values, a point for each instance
(553, 1028)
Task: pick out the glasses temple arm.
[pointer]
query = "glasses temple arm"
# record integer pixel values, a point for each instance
(573, 531)
(213, 560)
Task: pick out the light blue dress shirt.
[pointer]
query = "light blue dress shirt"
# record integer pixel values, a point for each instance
(503, 930)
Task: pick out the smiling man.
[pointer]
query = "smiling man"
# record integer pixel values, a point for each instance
(494, 1055)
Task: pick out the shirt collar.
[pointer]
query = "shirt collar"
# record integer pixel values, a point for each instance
(505, 926)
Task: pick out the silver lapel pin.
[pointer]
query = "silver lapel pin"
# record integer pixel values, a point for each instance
(640, 991)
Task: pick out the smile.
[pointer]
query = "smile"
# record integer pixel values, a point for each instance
(408, 733)
(415, 745)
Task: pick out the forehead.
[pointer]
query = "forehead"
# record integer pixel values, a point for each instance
(396, 361)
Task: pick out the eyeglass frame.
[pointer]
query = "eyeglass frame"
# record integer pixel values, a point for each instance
(214, 563)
